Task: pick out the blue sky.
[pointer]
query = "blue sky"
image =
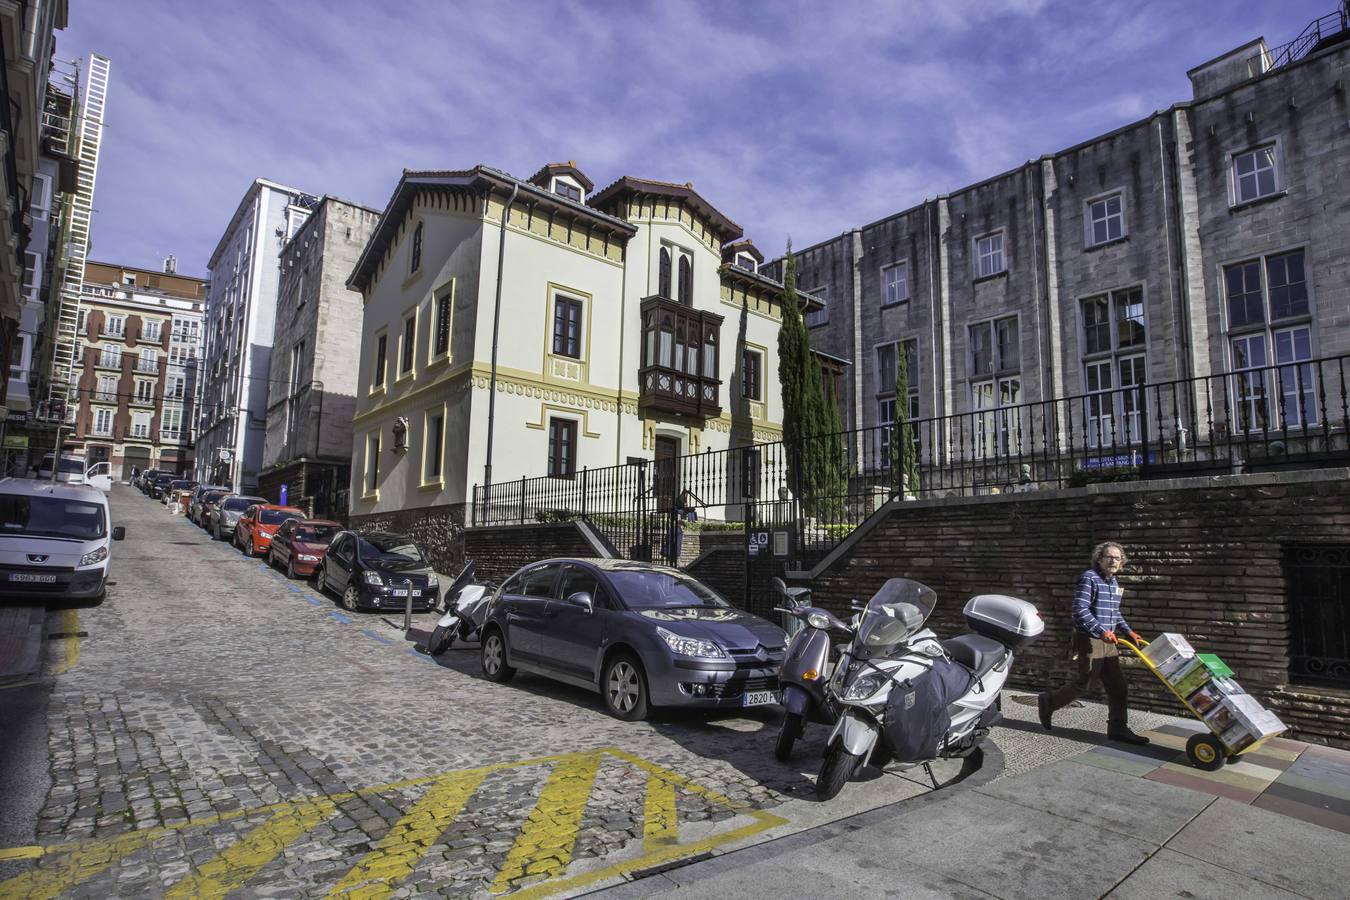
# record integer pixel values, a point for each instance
(793, 118)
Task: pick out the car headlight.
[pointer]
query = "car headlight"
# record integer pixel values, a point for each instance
(865, 686)
(374, 579)
(305, 557)
(685, 646)
(94, 556)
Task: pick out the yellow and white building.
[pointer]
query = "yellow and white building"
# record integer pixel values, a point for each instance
(587, 329)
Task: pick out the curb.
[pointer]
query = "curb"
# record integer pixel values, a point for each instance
(25, 640)
(990, 767)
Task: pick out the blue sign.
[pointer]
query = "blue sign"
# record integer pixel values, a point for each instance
(1119, 461)
(283, 495)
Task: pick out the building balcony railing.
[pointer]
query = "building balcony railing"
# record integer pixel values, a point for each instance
(679, 367)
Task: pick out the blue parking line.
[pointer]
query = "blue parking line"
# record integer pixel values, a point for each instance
(293, 589)
(314, 600)
(345, 620)
(422, 656)
(379, 637)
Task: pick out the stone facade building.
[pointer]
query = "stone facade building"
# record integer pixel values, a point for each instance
(139, 345)
(240, 310)
(315, 350)
(1205, 239)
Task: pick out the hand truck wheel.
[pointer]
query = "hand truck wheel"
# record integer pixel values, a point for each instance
(1205, 752)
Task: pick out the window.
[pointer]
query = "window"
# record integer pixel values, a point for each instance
(752, 366)
(1114, 339)
(103, 419)
(1106, 220)
(1288, 286)
(17, 347)
(567, 189)
(663, 275)
(416, 262)
(171, 423)
(145, 391)
(377, 375)
(107, 389)
(372, 463)
(406, 345)
(887, 376)
(686, 280)
(562, 444)
(431, 452)
(115, 326)
(442, 307)
(111, 357)
(152, 330)
(895, 283)
(175, 387)
(1245, 306)
(1255, 174)
(886, 368)
(79, 327)
(148, 361)
(995, 358)
(567, 326)
(818, 316)
(140, 425)
(989, 255)
(747, 262)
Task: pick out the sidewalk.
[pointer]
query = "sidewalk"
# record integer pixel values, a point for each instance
(21, 633)
(1131, 823)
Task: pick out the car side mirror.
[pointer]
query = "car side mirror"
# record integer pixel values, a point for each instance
(119, 532)
(583, 600)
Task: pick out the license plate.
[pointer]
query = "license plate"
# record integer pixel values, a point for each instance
(403, 592)
(759, 698)
(32, 577)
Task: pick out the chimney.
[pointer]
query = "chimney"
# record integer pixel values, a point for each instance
(170, 265)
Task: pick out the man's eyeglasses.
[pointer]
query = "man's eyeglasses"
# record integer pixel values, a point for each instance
(1113, 558)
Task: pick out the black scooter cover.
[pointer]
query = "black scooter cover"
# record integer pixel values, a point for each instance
(917, 714)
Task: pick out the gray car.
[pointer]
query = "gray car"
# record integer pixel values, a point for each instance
(225, 514)
(641, 635)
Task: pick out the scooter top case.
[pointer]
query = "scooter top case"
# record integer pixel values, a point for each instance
(1012, 622)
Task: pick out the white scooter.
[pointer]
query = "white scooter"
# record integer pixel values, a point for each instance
(465, 608)
(906, 698)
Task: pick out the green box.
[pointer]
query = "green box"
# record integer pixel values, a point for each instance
(1216, 666)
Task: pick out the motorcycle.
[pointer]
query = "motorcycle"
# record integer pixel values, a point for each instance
(465, 608)
(906, 698)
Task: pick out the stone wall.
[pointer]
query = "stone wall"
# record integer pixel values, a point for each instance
(437, 530)
(501, 549)
(1205, 561)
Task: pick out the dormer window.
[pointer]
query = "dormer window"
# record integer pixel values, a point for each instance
(746, 261)
(566, 189)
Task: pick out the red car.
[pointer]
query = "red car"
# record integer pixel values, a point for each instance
(300, 544)
(253, 532)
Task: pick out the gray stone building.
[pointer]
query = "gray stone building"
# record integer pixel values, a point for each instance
(1199, 251)
(316, 346)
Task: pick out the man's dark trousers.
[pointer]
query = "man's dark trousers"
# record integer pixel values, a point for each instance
(1107, 670)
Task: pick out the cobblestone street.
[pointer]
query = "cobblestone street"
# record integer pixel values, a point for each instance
(220, 728)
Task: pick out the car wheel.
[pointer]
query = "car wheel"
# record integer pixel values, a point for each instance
(493, 658)
(248, 549)
(351, 599)
(290, 568)
(624, 688)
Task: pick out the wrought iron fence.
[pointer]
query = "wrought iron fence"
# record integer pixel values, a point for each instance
(1293, 415)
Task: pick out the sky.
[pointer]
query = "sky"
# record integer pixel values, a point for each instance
(797, 120)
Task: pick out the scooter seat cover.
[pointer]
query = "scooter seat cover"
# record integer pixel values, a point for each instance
(918, 711)
(977, 653)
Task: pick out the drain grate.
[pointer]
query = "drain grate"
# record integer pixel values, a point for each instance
(66, 634)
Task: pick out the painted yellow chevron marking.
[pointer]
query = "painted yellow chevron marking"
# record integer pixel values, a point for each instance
(394, 858)
(545, 844)
(242, 860)
(82, 862)
(660, 826)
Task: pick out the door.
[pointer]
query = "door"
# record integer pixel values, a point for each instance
(665, 475)
(99, 475)
(337, 562)
(527, 602)
(572, 636)
(281, 543)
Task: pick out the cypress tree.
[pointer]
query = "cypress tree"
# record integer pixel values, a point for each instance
(792, 342)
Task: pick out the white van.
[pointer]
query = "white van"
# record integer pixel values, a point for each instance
(70, 470)
(55, 540)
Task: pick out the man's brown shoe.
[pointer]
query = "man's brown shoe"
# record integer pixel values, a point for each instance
(1043, 706)
(1127, 737)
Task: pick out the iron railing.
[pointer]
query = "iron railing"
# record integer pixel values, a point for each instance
(1293, 415)
(1317, 31)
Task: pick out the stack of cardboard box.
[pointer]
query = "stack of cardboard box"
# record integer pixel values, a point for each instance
(1209, 687)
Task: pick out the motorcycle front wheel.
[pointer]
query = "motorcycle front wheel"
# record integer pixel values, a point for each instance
(440, 640)
(835, 772)
(788, 732)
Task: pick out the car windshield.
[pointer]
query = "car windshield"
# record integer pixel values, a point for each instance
(659, 589)
(237, 504)
(275, 516)
(316, 534)
(212, 496)
(22, 516)
(390, 548)
(162, 479)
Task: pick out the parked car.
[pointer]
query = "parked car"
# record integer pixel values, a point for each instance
(200, 491)
(253, 532)
(641, 635)
(300, 544)
(161, 484)
(55, 540)
(376, 570)
(177, 486)
(226, 512)
(145, 479)
(207, 504)
(69, 471)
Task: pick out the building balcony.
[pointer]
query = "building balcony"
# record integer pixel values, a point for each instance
(679, 367)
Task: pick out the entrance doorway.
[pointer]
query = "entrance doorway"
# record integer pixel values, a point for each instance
(665, 478)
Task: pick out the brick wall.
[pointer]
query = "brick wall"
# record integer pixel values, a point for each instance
(499, 550)
(1205, 561)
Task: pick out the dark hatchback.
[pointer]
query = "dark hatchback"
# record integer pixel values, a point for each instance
(376, 570)
(641, 635)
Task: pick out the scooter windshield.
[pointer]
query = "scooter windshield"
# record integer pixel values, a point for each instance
(894, 613)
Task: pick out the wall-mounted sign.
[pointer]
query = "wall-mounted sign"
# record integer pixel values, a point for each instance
(16, 442)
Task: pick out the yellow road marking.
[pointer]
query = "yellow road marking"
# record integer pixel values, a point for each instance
(545, 844)
(70, 625)
(660, 827)
(394, 858)
(240, 862)
(80, 864)
(22, 853)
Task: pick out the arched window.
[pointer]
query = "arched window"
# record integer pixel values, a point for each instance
(663, 278)
(416, 249)
(686, 281)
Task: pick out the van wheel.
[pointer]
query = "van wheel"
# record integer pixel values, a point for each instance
(624, 687)
(493, 658)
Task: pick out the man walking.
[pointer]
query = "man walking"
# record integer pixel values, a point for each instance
(1096, 620)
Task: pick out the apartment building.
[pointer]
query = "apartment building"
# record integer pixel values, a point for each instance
(316, 355)
(240, 314)
(136, 372)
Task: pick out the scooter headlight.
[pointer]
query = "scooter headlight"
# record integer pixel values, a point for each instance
(865, 686)
(818, 620)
